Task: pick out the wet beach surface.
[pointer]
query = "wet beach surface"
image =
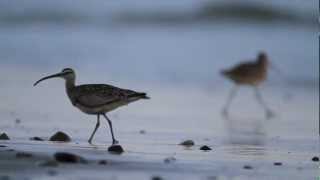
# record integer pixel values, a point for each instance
(143, 160)
(159, 48)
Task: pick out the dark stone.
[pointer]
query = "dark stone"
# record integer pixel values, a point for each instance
(247, 167)
(277, 163)
(5, 177)
(212, 178)
(156, 178)
(23, 155)
(117, 149)
(65, 157)
(17, 121)
(205, 148)
(142, 132)
(36, 139)
(187, 143)
(103, 162)
(170, 159)
(49, 163)
(60, 136)
(4, 136)
(315, 159)
(3, 146)
(52, 172)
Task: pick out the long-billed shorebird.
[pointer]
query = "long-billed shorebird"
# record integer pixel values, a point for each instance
(249, 73)
(96, 99)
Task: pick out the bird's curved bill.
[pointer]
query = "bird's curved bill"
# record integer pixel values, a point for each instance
(48, 77)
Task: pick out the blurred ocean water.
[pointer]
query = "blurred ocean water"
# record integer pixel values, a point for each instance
(164, 48)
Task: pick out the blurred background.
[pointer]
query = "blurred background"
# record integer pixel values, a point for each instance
(173, 50)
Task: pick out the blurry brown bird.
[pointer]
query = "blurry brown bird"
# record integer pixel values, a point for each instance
(252, 74)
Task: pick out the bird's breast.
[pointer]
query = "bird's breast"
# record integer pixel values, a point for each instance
(100, 109)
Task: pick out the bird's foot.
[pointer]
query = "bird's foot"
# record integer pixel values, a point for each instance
(90, 141)
(270, 114)
(114, 142)
(225, 113)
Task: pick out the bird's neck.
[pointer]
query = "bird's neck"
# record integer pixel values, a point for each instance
(70, 83)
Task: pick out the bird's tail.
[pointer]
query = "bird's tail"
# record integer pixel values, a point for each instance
(225, 72)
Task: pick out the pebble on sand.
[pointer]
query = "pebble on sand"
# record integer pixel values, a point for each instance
(5, 177)
(247, 167)
(17, 121)
(156, 178)
(169, 160)
(116, 149)
(142, 131)
(187, 143)
(52, 172)
(103, 162)
(205, 148)
(23, 155)
(36, 139)
(277, 163)
(49, 163)
(65, 157)
(60, 136)
(4, 136)
(315, 159)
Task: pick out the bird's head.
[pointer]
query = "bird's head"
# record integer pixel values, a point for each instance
(68, 74)
(262, 58)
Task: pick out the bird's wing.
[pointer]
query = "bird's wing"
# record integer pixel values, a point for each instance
(243, 69)
(92, 95)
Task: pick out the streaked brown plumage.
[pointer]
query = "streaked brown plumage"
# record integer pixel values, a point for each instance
(96, 99)
(251, 73)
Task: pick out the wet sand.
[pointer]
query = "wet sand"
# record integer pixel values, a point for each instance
(161, 156)
(246, 146)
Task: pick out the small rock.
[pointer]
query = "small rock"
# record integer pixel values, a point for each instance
(156, 178)
(17, 121)
(315, 159)
(205, 148)
(212, 178)
(169, 159)
(65, 157)
(277, 163)
(10, 150)
(187, 143)
(60, 136)
(117, 149)
(4, 136)
(5, 177)
(23, 155)
(36, 139)
(49, 163)
(2, 146)
(247, 167)
(103, 162)
(52, 172)
(142, 131)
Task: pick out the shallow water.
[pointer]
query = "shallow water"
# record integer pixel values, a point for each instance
(178, 66)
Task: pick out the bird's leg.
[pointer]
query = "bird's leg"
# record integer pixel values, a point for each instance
(229, 100)
(114, 141)
(95, 129)
(269, 113)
